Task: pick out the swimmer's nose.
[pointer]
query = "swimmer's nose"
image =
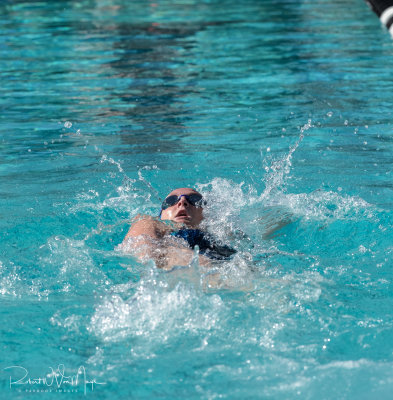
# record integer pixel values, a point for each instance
(183, 201)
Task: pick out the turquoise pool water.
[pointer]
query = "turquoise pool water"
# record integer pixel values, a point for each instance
(275, 111)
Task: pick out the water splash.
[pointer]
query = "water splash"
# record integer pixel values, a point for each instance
(279, 169)
(105, 158)
(156, 312)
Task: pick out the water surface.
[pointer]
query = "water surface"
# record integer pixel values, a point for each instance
(275, 111)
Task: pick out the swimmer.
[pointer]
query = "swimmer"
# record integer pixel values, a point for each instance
(171, 243)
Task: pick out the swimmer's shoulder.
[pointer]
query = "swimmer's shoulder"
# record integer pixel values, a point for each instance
(147, 225)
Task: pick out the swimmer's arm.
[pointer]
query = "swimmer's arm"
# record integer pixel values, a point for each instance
(145, 226)
(148, 243)
(146, 233)
(269, 233)
(273, 221)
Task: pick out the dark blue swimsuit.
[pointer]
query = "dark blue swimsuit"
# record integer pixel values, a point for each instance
(207, 246)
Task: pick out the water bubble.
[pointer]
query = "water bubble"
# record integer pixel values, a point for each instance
(329, 114)
(362, 249)
(305, 127)
(67, 124)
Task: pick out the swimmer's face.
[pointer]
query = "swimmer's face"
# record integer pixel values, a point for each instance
(183, 212)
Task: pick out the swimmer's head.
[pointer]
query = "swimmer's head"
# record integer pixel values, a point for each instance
(183, 205)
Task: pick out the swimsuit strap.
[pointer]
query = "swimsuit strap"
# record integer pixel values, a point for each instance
(192, 236)
(206, 244)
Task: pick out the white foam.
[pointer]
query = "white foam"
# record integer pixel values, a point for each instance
(156, 312)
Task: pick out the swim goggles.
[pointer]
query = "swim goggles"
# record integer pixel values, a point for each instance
(195, 199)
